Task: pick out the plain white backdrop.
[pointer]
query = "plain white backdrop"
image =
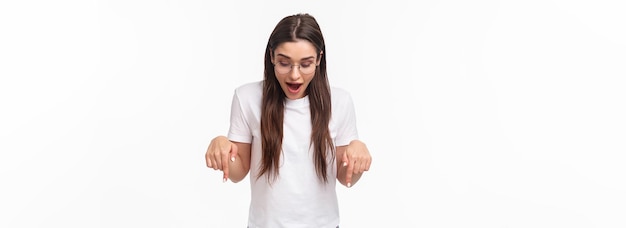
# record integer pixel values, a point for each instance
(477, 113)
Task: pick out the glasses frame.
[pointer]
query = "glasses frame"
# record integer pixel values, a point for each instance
(299, 68)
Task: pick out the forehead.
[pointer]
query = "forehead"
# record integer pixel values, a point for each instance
(296, 49)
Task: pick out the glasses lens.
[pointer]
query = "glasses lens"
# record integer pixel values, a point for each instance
(307, 69)
(283, 68)
(286, 68)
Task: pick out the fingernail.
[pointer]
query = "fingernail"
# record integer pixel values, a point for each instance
(224, 180)
(349, 185)
(345, 163)
(232, 159)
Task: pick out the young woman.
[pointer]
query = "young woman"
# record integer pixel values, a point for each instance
(293, 132)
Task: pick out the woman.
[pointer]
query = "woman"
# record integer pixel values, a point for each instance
(293, 132)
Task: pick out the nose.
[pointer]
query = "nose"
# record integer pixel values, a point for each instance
(295, 72)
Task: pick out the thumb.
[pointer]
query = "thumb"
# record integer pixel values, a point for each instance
(231, 156)
(344, 159)
(233, 152)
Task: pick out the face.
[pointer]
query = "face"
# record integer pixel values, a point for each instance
(294, 66)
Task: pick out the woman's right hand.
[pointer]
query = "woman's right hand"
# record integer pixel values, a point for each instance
(220, 153)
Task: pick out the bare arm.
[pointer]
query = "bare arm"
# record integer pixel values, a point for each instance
(241, 166)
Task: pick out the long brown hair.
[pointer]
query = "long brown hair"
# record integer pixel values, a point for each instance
(289, 29)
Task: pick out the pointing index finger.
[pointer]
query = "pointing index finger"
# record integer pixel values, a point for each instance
(349, 171)
(225, 160)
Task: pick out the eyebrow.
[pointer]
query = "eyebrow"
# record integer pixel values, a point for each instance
(306, 58)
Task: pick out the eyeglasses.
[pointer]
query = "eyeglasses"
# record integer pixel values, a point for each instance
(285, 68)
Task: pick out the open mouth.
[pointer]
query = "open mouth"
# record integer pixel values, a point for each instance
(293, 87)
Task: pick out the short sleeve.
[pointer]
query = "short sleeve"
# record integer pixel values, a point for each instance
(239, 128)
(346, 119)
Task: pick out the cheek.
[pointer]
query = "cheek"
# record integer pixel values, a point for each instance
(280, 78)
(310, 77)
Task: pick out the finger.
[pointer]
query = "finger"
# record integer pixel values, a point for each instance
(212, 162)
(207, 157)
(368, 164)
(349, 171)
(217, 161)
(358, 166)
(363, 165)
(225, 158)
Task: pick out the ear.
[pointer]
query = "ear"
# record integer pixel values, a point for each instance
(272, 56)
(320, 58)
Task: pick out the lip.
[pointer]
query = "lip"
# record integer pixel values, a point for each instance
(294, 87)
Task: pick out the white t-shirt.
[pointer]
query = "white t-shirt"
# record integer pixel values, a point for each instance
(297, 198)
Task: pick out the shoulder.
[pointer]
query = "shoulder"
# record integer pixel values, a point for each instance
(250, 89)
(340, 95)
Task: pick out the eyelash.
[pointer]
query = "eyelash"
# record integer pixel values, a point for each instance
(286, 64)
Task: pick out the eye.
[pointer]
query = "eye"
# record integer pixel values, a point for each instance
(306, 65)
(284, 64)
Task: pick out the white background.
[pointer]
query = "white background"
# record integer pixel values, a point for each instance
(477, 113)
